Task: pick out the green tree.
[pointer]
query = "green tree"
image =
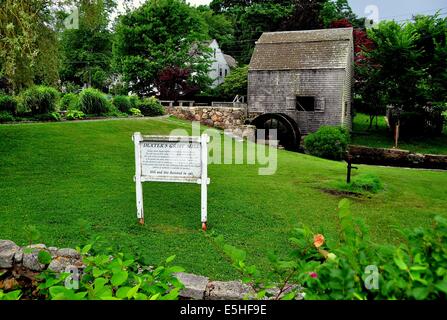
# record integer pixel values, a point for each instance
(87, 52)
(220, 26)
(29, 43)
(251, 18)
(161, 34)
(235, 83)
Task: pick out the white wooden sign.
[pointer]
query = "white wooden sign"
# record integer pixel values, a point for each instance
(171, 159)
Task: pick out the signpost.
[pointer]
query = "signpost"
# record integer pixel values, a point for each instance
(171, 159)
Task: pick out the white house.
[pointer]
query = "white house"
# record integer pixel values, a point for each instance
(221, 64)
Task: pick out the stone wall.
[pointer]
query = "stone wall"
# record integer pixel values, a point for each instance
(396, 157)
(19, 266)
(218, 117)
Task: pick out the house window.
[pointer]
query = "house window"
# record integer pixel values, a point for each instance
(214, 53)
(305, 103)
(220, 72)
(226, 72)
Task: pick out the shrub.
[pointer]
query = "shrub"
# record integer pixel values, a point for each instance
(135, 112)
(75, 115)
(354, 268)
(51, 116)
(5, 116)
(69, 101)
(366, 182)
(8, 104)
(122, 103)
(40, 99)
(151, 107)
(114, 276)
(134, 101)
(328, 142)
(92, 101)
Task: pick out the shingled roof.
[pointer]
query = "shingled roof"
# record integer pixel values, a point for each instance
(297, 50)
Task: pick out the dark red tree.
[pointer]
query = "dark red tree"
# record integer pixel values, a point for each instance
(174, 82)
(361, 41)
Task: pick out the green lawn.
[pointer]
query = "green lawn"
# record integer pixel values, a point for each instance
(381, 138)
(54, 174)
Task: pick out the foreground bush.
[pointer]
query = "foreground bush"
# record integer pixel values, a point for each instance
(328, 142)
(40, 99)
(92, 101)
(151, 107)
(354, 268)
(8, 104)
(122, 103)
(106, 276)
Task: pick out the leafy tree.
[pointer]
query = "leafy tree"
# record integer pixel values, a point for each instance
(28, 43)
(220, 26)
(235, 83)
(253, 17)
(87, 52)
(336, 10)
(161, 34)
(432, 42)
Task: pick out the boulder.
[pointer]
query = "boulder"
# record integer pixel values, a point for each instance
(60, 264)
(31, 260)
(68, 252)
(231, 290)
(195, 286)
(7, 251)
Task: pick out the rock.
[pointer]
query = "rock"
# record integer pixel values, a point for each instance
(31, 261)
(231, 290)
(7, 251)
(53, 251)
(68, 252)
(40, 246)
(195, 286)
(18, 257)
(60, 264)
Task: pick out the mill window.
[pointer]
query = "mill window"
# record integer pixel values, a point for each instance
(305, 103)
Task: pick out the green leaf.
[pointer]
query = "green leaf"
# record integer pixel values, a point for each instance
(172, 295)
(44, 257)
(442, 286)
(421, 293)
(122, 292)
(170, 259)
(175, 269)
(98, 272)
(131, 293)
(399, 260)
(155, 297)
(119, 278)
(99, 283)
(86, 249)
(289, 296)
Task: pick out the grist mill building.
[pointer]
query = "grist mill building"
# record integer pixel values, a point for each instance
(301, 80)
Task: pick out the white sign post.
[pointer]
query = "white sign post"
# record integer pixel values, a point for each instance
(171, 159)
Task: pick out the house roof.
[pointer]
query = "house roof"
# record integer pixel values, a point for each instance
(310, 49)
(232, 63)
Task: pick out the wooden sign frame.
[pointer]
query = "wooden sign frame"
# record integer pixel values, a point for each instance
(201, 177)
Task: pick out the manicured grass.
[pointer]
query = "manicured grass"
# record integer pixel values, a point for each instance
(55, 175)
(381, 138)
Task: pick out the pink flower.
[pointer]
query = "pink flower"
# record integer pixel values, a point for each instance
(313, 275)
